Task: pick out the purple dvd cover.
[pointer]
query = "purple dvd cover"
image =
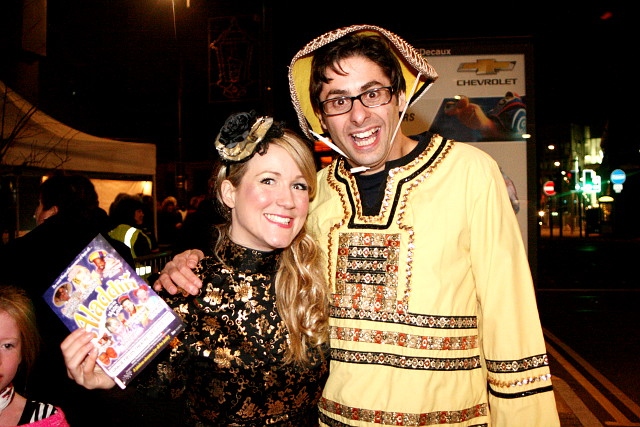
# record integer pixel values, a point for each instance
(101, 293)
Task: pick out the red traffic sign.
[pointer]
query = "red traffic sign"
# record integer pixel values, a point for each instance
(549, 188)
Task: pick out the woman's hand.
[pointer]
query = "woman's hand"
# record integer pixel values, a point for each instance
(80, 356)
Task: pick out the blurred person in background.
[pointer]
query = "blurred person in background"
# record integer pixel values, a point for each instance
(199, 226)
(148, 221)
(127, 215)
(169, 222)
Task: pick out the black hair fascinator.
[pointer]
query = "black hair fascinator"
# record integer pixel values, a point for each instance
(244, 134)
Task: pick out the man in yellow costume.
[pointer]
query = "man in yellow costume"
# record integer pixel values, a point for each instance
(433, 317)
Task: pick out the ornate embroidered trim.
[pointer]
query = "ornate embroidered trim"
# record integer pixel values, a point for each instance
(422, 320)
(399, 418)
(502, 366)
(343, 202)
(520, 382)
(367, 271)
(395, 193)
(394, 205)
(424, 342)
(407, 362)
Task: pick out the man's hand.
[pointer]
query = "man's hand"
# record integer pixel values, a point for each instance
(178, 273)
(80, 357)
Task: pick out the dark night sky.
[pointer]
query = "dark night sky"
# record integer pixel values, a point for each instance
(114, 70)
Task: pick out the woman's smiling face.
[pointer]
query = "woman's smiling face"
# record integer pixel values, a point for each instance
(270, 205)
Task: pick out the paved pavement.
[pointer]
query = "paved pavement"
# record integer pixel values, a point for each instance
(588, 299)
(573, 412)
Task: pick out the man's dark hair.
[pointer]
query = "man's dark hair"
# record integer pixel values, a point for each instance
(372, 47)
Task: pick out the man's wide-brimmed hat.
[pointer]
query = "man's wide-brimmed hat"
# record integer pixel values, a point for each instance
(413, 64)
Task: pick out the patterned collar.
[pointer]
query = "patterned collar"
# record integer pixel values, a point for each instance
(243, 259)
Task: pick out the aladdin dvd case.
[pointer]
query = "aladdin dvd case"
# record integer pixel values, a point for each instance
(101, 293)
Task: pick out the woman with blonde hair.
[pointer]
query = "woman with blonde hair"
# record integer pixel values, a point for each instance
(254, 350)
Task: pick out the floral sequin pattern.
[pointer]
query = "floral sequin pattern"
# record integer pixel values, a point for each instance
(228, 362)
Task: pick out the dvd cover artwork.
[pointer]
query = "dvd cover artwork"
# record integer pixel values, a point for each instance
(101, 293)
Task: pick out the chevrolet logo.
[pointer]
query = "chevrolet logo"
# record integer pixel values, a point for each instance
(487, 66)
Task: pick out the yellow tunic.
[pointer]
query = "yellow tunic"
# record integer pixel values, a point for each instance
(433, 317)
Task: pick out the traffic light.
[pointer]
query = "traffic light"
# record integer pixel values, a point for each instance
(590, 181)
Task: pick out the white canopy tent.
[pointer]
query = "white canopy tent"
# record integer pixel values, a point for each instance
(42, 144)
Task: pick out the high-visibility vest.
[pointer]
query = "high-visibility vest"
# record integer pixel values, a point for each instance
(128, 235)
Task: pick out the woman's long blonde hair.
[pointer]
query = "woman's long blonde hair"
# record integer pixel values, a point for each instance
(301, 292)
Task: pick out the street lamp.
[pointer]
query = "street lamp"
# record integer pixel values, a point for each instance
(180, 168)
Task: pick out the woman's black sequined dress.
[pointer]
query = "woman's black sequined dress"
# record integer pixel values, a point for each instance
(227, 364)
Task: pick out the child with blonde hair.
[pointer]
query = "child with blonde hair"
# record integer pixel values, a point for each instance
(19, 345)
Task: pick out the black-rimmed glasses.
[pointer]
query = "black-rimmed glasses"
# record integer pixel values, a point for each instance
(370, 98)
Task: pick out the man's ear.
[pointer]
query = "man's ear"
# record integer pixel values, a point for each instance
(228, 192)
(321, 120)
(402, 100)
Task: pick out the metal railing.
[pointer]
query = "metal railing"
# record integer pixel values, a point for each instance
(150, 264)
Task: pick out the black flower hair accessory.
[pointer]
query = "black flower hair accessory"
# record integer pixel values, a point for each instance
(242, 133)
